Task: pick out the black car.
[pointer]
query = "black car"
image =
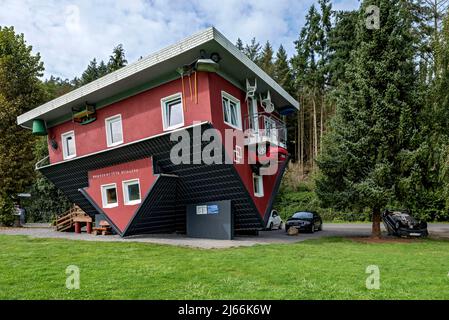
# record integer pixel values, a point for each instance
(400, 223)
(305, 221)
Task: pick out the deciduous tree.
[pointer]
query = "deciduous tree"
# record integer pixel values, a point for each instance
(20, 91)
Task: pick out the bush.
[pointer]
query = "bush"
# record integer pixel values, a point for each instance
(46, 201)
(303, 198)
(6, 211)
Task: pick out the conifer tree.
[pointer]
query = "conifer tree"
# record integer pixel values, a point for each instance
(282, 73)
(117, 60)
(266, 59)
(239, 45)
(252, 50)
(342, 43)
(91, 73)
(375, 122)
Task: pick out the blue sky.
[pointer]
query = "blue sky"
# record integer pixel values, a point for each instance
(68, 34)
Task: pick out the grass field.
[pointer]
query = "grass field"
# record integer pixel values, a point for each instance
(317, 269)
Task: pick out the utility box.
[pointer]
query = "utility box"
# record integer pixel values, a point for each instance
(212, 220)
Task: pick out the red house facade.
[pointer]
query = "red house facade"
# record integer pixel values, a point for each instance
(111, 142)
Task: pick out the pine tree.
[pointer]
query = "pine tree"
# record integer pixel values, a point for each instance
(117, 60)
(375, 122)
(342, 42)
(309, 81)
(252, 50)
(102, 69)
(282, 73)
(437, 136)
(56, 87)
(20, 91)
(239, 44)
(323, 41)
(266, 59)
(91, 73)
(441, 116)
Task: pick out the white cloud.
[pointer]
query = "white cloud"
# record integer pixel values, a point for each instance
(72, 18)
(68, 34)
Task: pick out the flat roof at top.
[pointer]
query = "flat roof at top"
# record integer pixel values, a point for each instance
(157, 66)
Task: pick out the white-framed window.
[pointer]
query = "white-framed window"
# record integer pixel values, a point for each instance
(109, 195)
(238, 154)
(114, 130)
(231, 110)
(258, 186)
(253, 114)
(68, 145)
(131, 192)
(172, 112)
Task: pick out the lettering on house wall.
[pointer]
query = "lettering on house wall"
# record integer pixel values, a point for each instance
(114, 173)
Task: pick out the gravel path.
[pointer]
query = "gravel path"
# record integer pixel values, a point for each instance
(265, 237)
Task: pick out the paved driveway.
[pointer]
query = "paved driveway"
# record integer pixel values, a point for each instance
(265, 237)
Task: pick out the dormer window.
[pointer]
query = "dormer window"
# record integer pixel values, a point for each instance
(68, 145)
(172, 112)
(114, 130)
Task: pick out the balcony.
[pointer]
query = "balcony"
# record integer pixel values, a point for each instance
(265, 128)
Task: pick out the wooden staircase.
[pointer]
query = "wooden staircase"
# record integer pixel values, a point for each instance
(65, 222)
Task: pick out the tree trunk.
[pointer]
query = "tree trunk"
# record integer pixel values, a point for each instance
(310, 140)
(375, 233)
(322, 123)
(315, 128)
(297, 138)
(301, 139)
(298, 134)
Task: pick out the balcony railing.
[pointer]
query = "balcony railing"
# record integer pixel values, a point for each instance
(265, 128)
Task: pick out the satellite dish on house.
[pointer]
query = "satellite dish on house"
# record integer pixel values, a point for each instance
(215, 56)
(267, 105)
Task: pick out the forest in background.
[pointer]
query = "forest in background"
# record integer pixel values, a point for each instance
(390, 85)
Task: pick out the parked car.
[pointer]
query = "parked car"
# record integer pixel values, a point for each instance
(275, 221)
(305, 221)
(400, 223)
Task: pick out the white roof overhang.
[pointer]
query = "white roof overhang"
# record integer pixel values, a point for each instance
(157, 67)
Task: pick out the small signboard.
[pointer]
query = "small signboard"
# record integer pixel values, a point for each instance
(207, 209)
(212, 209)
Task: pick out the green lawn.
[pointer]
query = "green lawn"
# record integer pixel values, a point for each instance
(317, 269)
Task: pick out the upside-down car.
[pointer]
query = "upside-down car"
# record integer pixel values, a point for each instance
(400, 223)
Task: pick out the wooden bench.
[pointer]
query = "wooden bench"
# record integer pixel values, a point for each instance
(104, 228)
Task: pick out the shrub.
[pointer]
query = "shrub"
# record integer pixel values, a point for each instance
(6, 211)
(302, 197)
